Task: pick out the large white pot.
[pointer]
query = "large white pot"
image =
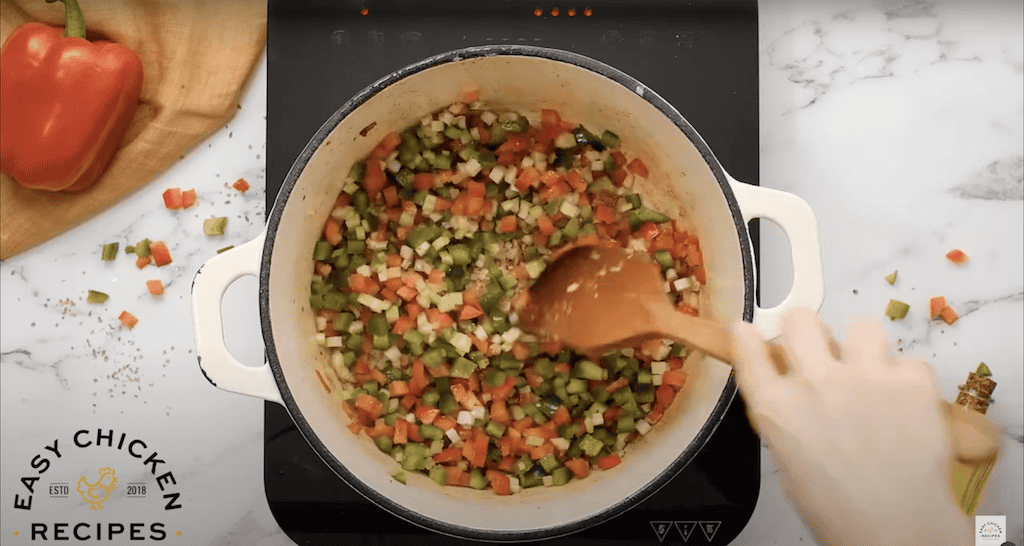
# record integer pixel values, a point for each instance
(686, 182)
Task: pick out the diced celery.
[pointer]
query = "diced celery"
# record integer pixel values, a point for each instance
(109, 251)
(322, 250)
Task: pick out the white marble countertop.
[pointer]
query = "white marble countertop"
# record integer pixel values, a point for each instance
(901, 123)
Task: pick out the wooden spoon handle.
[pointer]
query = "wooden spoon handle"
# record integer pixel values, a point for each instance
(712, 338)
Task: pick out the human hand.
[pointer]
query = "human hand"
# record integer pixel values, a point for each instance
(863, 443)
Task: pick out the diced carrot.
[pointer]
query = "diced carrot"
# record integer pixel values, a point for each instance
(665, 394)
(609, 461)
(424, 181)
(541, 451)
(436, 277)
(188, 198)
(700, 274)
(128, 319)
(655, 414)
(453, 475)
(387, 145)
(675, 378)
(374, 179)
(370, 405)
(363, 284)
(562, 367)
(156, 287)
(956, 256)
(449, 455)
(475, 189)
(502, 391)
(161, 256)
(507, 224)
(403, 325)
(471, 95)
(936, 305)
(550, 118)
(427, 414)
(527, 178)
(439, 319)
(172, 198)
(398, 388)
(444, 422)
(579, 467)
(401, 431)
(469, 312)
(332, 231)
(523, 424)
(576, 181)
(948, 315)
(408, 401)
(378, 376)
(561, 416)
(142, 261)
(499, 482)
(241, 185)
(475, 450)
(499, 412)
(551, 178)
(552, 347)
(414, 433)
(355, 427)
(407, 293)
(545, 226)
(389, 295)
(413, 309)
(638, 167)
(674, 362)
(617, 384)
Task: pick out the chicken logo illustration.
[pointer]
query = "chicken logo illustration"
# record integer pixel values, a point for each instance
(97, 493)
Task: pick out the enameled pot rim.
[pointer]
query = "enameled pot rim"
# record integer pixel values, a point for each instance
(274, 221)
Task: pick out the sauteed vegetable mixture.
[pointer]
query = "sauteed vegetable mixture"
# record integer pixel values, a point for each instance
(431, 239)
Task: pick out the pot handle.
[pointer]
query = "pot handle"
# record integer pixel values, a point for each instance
(797, 220)
(218, 366)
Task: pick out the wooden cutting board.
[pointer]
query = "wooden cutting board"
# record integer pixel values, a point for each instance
(196, 56)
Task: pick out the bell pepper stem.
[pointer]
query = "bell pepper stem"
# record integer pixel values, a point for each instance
(74, 20)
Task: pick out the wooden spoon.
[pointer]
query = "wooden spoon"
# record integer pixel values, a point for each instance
(594, 298)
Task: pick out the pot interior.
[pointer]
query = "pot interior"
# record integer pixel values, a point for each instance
(681, 184)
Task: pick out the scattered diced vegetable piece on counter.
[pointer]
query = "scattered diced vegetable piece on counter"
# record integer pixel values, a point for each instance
(936, 305)
(983, 370)
(243, 186)
(142, 248)
(956, 256)
(948, 315)
(188, 198)
(398, 476)
(96, 297)
(896, 310)
(891, 278)
(225, 249)
(142, 261)
(161, 256)
(155, 286)
(172, 198)
(215, 226)
(109, 252)
(128, 319)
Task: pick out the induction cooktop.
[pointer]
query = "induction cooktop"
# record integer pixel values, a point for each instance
(701, 56)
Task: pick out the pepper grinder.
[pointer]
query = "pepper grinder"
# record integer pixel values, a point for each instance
(971, 473)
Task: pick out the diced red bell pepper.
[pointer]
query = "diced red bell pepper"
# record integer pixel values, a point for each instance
(398, 388)
(948, 315)
(332, 231)
(427, 414)
(241, 185)
(675, 378)
(370, 405)
(161, 256)
(188, 198)
(499, 412)
(665, 394)
(609, 461)
(579, 467)
(401, 431)
(507, 224)
(936, 305)
(449, 455)
(128, 319)
(374, 179)
(172, 198)
(638, 167)
(499, 482)
(387, 145)
(155, 287)
(363, 284)
(956, 256)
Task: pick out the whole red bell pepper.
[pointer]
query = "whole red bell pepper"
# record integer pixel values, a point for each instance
(65, 103)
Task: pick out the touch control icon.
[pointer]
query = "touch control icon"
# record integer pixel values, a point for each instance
(686, 529)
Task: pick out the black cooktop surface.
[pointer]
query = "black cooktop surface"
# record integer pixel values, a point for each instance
(701, 56)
